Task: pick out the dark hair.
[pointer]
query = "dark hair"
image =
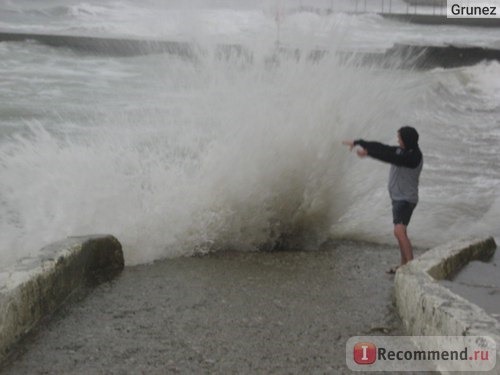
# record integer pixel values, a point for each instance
(409, 137)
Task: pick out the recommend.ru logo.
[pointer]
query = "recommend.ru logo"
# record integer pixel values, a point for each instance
(421, 353)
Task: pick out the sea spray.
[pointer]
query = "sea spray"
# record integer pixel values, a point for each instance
(202, 155)
(176, 156)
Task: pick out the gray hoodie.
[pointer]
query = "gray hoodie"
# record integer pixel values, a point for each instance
(406, 164)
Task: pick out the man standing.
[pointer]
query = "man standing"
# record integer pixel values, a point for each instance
(406, 164)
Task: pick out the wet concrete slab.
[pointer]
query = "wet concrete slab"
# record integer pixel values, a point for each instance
(232, 312)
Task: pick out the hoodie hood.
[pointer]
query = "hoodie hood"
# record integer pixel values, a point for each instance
(409, 137)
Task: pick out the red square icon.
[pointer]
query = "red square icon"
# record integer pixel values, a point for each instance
(365, 353)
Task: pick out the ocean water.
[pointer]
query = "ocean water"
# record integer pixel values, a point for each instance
(177, 156)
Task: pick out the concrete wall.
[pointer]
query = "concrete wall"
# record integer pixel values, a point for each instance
(35, 287)
(429, 309)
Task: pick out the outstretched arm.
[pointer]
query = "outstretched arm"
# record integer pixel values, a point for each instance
(388, 154)
(379, 151)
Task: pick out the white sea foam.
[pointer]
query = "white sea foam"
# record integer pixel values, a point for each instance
(175, 156)
(215, 155)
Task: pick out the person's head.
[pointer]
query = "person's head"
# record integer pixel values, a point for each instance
(408, 137)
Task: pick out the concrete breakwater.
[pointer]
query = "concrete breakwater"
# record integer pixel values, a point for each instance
(226, 312)
(399, 56)
(36, 287)
(427, 308)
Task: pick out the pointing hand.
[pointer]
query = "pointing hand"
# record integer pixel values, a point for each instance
(349, 143)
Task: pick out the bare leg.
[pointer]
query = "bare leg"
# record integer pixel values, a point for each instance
(404, 243)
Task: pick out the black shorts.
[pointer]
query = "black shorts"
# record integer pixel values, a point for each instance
(401, 212)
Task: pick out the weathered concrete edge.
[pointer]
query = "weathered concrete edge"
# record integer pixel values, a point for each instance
(35, 287)
(427, 308)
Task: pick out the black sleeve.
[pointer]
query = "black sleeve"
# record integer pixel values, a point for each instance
(391, 154)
